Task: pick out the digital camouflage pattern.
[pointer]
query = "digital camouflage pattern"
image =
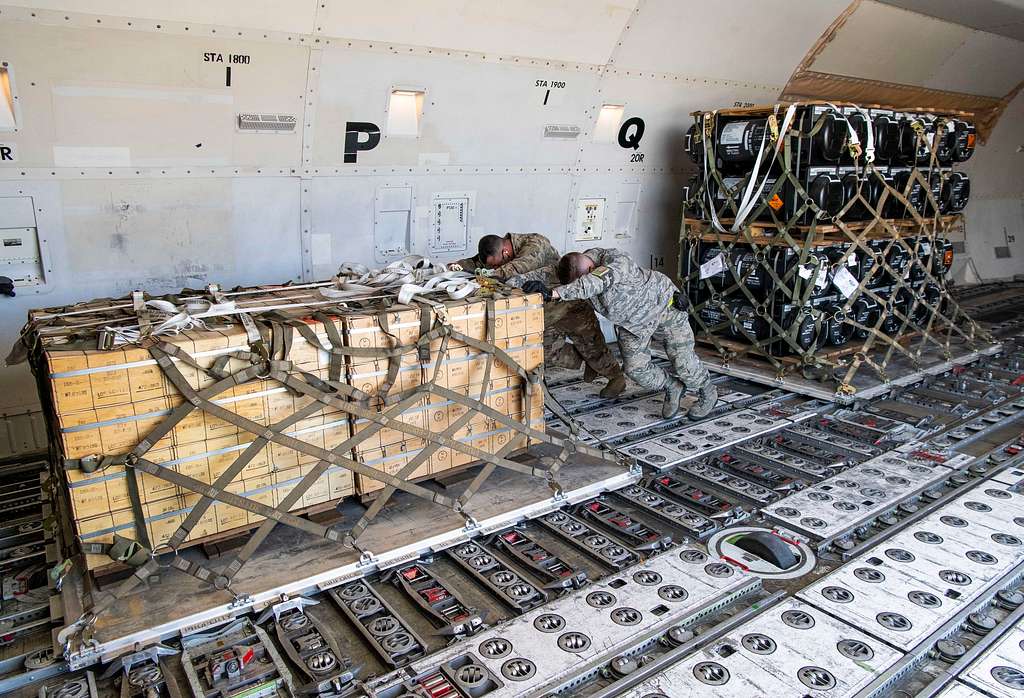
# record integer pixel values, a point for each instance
(532, 251)
(575, 320)
(674, 330)
(624, 292)
(638, 302)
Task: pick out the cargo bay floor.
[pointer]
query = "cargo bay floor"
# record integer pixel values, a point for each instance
(290, 556)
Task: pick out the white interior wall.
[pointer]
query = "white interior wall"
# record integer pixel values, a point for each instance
(140, 179)
(995, 216)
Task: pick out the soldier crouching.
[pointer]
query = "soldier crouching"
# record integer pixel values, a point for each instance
(640, 303)
(527, 261)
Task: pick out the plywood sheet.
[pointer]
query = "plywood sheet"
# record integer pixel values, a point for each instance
(885, 43)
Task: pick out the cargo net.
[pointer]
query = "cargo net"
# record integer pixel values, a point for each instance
(267, 322)
(815, 258)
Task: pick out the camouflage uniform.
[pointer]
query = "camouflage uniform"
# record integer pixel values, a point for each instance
(531, 250)
(639, 302)
(575, 320)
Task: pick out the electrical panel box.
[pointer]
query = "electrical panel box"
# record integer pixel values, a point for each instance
(392, 222)
(20, 252)
(589, 219)
(450, 214)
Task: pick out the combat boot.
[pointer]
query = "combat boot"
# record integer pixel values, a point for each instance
(589, 374)
(615, 387)
(706, 400)
(673, 393)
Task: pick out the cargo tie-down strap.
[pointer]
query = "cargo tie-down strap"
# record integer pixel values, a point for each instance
(936, 321)
(271, 362)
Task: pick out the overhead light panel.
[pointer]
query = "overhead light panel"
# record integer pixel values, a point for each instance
(405, 107)
(7, 120)
(608, 121)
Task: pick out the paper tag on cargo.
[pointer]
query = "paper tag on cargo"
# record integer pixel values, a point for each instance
(732, 133)
(712, 267)
(845, 282)
(805, 271)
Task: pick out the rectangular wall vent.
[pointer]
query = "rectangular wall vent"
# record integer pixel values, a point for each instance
(267, 123)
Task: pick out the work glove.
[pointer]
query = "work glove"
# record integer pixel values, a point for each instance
(537, 286)
(680, 301)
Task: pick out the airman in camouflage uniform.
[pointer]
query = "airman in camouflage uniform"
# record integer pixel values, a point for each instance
(522, 257)
(640, 302)
(577, 321)
(516, 253)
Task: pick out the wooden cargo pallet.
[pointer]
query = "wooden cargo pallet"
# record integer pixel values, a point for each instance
(748, 351)
(826, 234)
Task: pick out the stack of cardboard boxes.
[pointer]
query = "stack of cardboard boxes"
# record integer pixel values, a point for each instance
(518, 330)
(103, 403)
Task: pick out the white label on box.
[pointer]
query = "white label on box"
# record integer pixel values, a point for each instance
(805, 271)
(732, 133)
(713, 266)
(845, 282)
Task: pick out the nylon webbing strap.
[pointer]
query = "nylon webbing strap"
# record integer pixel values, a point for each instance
(424, 349)
(197, 400)
(517, 441)
(488, 468)
(409, 429)
(123, 550)
(337, 345)
(225, 478)
(375, 507)
(273, 365)
(303, 486)
(131, 479)
(252, 332)
(394, 361)
(455, 427)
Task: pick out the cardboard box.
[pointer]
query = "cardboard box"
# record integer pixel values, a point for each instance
(103, 403)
